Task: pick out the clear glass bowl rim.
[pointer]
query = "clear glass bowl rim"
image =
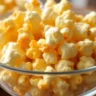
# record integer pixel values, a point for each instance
(28, 72)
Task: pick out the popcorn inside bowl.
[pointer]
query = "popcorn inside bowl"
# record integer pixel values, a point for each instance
(53, 39)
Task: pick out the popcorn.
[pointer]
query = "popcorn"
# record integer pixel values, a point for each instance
(90, 18)
(52, 39)
(33, 52)
(53, 36)
(69, 15)
(34, 81)
(33, 5)
(24, 81)
(49, 3)
(75, 81)
(49, 16)
(49, 78)
(60, 87)
(61, 22)
(39, 64)
(25, 66)
(18, 17)
(9, 28)
(37, 92)
(12, 54)
(50, 57)
(42, 45)
(64, 66)
(24, 38)
(80, 31)
(92, 35)
(67, 33)
(85, 62)
(9, 77)
(66, 48)
(85, 47)
(62, 6)
(33, 19)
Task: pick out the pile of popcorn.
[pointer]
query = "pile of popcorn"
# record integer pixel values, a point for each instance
(52, 39)
(9, 5)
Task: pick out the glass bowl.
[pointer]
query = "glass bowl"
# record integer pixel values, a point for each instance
(73, 85)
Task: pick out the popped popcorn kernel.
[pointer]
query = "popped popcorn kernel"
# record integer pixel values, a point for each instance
(34, 5)
(49, 16)
(90, 18)
(49, 3)
(80, 31)
(62, 6)
(67, 33)
(64, 66)
(53, 36)
(50, 57)
(85, 47)
(39, 64)
(66, 48)
(85, 62)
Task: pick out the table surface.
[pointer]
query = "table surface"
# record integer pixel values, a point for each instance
(3, 93)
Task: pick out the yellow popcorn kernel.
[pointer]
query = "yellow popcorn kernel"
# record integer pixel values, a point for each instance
(23, 81)
(85, 47)
(50, 57)
(86, 62)
(67, 33)
(49, 16)
(2, 9)
(34, 81)
(19, 16)
(24, 38)
(66, 48)
(49, 78)
(92, 35)
(49, 3)
(61, 87)
(91, 18)
(34, 5)
(62, 6)
(80, 31)
(9, 77)
(9, 28)
(79, 18)
(33, 52)
(42, 45)
(53, 36)
(43, 85)
(20, 90)
(10, 3)
(69, 15)
(25, 65)
(61, 22)
(64, 65)
(37, 92)
(12, 54)
(74, 81)
(39, 64)
(33, 19)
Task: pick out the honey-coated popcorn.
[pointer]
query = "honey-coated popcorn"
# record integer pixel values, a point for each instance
(50, 38)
